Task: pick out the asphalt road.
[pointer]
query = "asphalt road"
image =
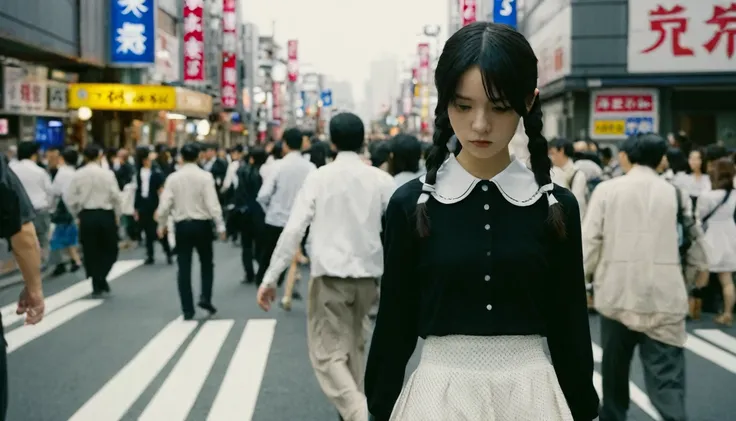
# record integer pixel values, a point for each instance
(131, 357)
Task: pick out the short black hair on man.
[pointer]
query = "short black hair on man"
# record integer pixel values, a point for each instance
(293, 138)
(190, 152)
(92, 151)
(347, 132)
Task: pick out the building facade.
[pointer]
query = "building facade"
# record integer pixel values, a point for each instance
(612, 68)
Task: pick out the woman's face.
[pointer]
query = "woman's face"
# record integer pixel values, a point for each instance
(482, 127)
(695, 161)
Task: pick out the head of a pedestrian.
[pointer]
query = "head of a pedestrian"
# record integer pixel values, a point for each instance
(92, 153)
(292, 140)
(236, 153)
(70, 157)
(405, 153)
(210, 152)
(347, 132)
(257, 156)
(28, 150)
(646, 150)
(486, 80)
(189, 153)
(143, 156)
(721, 173)
(560, 151)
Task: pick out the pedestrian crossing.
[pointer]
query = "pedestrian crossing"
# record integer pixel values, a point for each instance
(237, 394)
(165, 376)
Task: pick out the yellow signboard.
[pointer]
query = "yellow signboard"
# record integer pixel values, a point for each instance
(119, 97)
(609, 127)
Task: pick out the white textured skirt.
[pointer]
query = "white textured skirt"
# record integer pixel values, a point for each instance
(482, 378)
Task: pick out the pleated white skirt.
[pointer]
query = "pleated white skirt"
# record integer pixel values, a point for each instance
(481, 378)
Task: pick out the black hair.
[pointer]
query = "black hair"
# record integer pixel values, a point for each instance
(259, 155)
(142, 153)
(91, 152)
(277, 151)
(27, 149)
(677, 160)
(564, 145)
(347, 132)
(318, 153)
(379, 152)
(646, 149)
(713, 152)
(509, 69)
(70, 156)
(406, 151)
(293, 138)
(238, 148)
(189, 152)
(703, 160)
(606, 152)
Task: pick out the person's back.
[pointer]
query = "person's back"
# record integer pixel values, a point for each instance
(350, 197)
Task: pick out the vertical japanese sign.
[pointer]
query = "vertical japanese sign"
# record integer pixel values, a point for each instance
(684, 35)
(616, 114)
(25, 89)
(468, 11)
(423, 52)
(229, 79)
(194, 41)
(293, 60)
(504, 11)
(133, 32)
(276, 101)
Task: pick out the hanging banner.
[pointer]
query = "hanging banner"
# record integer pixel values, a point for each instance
(504, 12)
(133, 33)
(229, 78)
(293, 61)
(276, 101)
(468, 11)
(194, 42)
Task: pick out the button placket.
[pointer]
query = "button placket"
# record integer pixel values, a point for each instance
(487, 227)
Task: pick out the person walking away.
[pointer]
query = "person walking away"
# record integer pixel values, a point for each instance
(277, 195)
(94, 197)
(249, 215)
(342, 203)
(189, 198)
(630, 242)
(150, 182)
(566, 174)
(228, 190)
(16, 225)
(403, 161)
(717, 207)
(66, 233)
(37, 184)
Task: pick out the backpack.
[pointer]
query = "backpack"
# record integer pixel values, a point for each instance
(590, 184)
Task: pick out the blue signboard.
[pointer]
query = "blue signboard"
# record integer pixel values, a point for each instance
(133, 32)
(326, 97)
(303, 96)
(504, 11)
(636, 125)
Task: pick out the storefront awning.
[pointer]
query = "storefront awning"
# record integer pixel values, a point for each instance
(192, 103)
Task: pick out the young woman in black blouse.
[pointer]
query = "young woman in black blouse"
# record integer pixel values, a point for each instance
(483, 259)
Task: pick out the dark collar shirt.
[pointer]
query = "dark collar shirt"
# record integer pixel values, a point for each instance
(491, 266)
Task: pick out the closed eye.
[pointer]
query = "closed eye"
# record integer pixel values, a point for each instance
(462, 107)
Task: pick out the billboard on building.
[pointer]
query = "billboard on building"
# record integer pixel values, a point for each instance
(133, 33)
(616, 114)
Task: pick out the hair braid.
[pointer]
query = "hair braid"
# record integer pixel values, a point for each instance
(436, 156)
(541, 164)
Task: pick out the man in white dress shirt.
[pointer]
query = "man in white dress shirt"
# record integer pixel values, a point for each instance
(342, 203)
(277, 195)
(190, 199)
(37, 183)
(94, 197)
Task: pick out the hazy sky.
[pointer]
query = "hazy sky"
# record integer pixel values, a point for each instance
(341, 37)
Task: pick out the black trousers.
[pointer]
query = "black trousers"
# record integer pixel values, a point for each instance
(664, 373)
(3, 375)
(251, 232)
(194, 235)
(270, 238)
(149, 225)
(98, 234)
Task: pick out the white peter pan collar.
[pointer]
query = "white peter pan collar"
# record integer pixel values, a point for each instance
(516, 183)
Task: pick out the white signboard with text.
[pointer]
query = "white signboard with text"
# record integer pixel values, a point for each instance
(677, 36)
(616, 114)
(552, 44)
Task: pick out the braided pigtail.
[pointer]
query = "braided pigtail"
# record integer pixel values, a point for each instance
(437, 155)
(542, 166)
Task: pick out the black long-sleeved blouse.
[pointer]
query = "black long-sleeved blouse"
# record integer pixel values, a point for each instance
(490, 266)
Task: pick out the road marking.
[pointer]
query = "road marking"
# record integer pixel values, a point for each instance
(719, 338)
(636, 395)
(22, 335)
(177, 395)
(712, 353)
(114, 399)
(73, 293)
(238, 392)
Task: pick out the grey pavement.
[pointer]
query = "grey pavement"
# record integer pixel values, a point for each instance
(129, 358)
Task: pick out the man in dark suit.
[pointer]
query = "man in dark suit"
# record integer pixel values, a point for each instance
(150, 181)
